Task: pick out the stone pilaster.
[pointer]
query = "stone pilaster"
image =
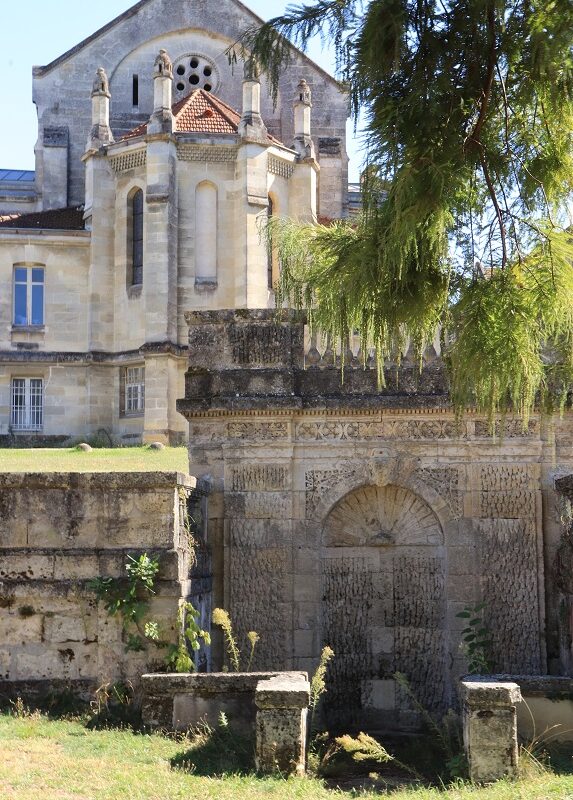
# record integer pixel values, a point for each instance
(99, 216)
(160, 245)
(163, 383)
(251, 282)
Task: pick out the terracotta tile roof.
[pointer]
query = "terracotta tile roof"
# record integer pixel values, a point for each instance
(200, 112)
(61, 219)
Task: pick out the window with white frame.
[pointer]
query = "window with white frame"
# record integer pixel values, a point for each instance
(28, 296)
(134, 390)
(27, 404)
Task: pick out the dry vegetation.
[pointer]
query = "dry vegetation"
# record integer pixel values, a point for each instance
(125, 459)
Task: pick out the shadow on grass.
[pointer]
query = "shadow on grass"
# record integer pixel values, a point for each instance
(215, 752)
(556, 756)
(114, 706)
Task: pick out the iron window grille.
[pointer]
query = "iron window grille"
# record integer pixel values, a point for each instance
(27, 406)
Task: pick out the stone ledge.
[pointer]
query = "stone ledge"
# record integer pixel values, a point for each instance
(487, 694)
(283, 691)
(549, 686)
(210, 683)
(104, 481)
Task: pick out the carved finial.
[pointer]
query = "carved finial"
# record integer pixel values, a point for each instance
(101, 83)
(163, 64)
(304, 93)
(252, 71)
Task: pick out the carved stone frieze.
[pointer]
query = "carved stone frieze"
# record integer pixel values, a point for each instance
(261, 431)
(509, 429)
(414, 429)
(257, 477)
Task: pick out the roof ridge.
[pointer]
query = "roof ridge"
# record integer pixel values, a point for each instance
(132, 12)
(222, 107)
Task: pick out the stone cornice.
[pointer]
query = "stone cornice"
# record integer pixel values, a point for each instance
(91, 356)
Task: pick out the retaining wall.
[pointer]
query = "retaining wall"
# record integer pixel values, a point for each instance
(57, 533)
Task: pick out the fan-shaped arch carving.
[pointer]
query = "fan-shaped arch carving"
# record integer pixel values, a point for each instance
(381, 515)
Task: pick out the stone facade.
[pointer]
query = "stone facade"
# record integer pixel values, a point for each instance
(206, 188)
(366, 519)
(58, 532)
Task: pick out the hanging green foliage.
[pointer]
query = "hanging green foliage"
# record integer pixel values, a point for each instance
(469, 109)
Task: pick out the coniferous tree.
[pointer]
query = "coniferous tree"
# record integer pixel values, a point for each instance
(469, 109)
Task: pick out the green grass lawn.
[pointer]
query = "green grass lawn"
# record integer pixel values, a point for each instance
(62, 760)
(121, 459)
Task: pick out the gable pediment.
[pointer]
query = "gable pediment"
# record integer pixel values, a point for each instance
(150, 19)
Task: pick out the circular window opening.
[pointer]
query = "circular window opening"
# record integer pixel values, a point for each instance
(194, 72)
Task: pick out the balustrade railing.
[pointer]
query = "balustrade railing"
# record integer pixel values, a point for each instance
(320, 351)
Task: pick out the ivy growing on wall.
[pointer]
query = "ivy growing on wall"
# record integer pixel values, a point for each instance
(129, 599)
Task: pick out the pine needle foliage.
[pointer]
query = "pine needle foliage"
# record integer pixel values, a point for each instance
(469, 107)
(364, 748)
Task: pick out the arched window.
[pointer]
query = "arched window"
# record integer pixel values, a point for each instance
(206, 233)
(135, 238)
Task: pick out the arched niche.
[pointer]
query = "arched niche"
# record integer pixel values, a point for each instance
(383, 606)
(206, 213)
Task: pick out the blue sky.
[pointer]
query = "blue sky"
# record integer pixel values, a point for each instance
(37, 31)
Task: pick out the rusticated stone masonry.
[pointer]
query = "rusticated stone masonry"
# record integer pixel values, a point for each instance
(363, 518)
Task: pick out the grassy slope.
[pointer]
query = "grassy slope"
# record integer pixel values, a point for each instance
(126, 459)
(64, 761)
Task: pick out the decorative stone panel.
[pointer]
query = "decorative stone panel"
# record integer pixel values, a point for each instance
(206, 153)
(509, 576)
(260, 563)
(130, 160)
(277, 166)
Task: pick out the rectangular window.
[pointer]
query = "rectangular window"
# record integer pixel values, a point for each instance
(135, 91)
(28, 296)
(137, 239)
(135, 390)
(27, 406)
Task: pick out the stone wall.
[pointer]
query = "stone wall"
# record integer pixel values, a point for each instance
(59, 531)
(367, 519)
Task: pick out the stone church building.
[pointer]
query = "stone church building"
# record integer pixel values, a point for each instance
(155, 163)
(136, 297)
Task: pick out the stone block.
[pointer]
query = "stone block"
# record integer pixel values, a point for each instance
(282, 704)
(21, 627)
(379, 694)
(64, 629)
(490, 728)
